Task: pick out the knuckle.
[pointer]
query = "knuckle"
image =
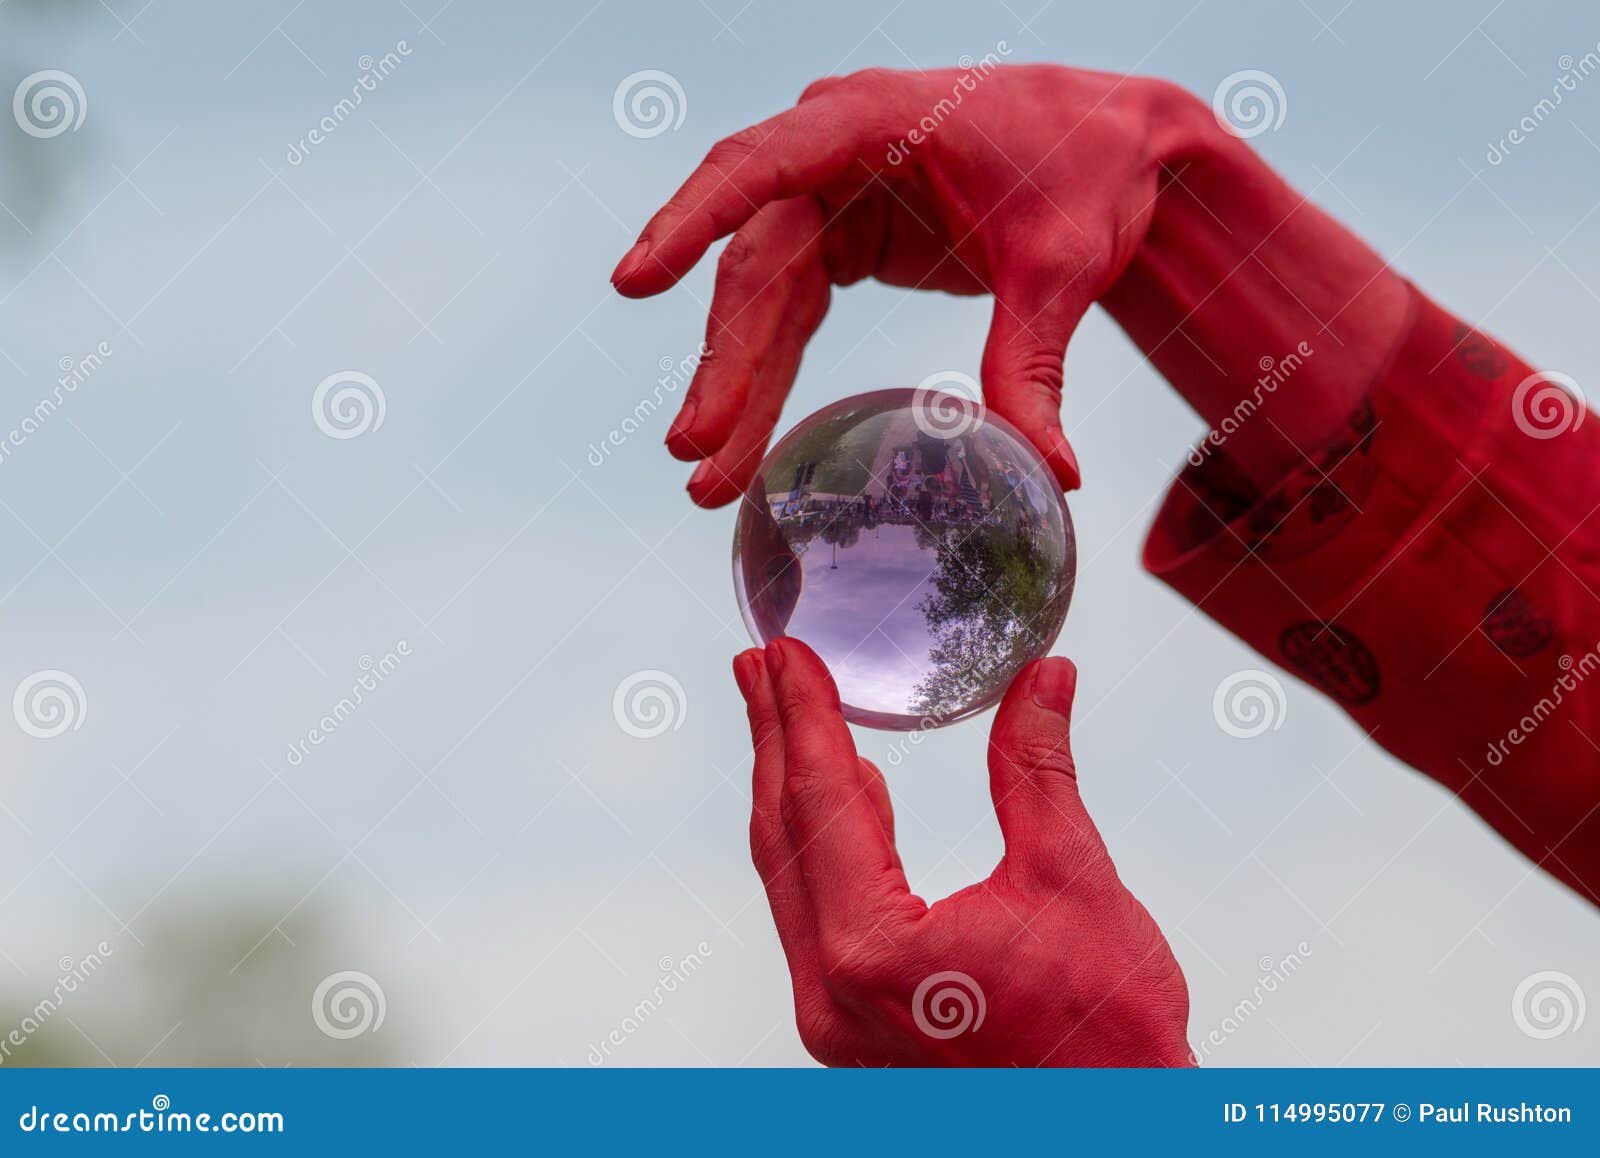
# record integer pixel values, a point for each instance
(809, 698)
(850, 971)
(1035, 755)
(767, 846)
(805, 793)
(737, 255)
(765, 730)
(1011, 376)
(1164, 97)
(887, 96)
(1057, 266)
(728, 153)
(875, 78)
(1042, 365)
(820, 86)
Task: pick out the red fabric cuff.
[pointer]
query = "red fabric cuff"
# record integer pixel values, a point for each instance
(1317, 571)
(1436, 570)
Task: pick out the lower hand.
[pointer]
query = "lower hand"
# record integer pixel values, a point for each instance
(1050, 961)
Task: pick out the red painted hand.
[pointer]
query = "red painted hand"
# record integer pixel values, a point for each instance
(1050, 961)
(996, 198)
(1049, 188)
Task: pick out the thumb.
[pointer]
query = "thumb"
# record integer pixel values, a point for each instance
(1033, 779)
(1023, 365)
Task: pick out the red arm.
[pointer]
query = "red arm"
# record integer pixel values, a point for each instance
(1391, 505)
(1434, 568)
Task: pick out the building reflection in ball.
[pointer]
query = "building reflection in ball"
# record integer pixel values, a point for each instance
(917, 543)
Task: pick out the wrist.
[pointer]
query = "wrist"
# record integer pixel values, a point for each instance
(1265, 313)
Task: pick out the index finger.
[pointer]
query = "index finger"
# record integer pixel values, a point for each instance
(769, 843)
(851, 872)
(797, 152)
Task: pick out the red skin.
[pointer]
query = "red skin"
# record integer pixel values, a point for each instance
(1048, 188)
(1384, 525)
(1072, 969)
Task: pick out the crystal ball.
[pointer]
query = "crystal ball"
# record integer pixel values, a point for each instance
(917, 543)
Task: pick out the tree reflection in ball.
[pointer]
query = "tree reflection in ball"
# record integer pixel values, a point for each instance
(917, 543)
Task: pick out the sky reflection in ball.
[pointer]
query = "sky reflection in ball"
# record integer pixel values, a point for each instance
(917, 543)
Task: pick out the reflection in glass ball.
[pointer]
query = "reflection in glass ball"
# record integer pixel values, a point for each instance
(917, 543)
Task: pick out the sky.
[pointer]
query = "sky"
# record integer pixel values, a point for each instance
(508, 869)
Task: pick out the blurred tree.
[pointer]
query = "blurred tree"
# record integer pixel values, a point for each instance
(991, 586)
(33, 172)
(204, 990)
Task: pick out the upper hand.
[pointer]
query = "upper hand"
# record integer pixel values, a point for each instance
(1049, 961)
(1034, 184)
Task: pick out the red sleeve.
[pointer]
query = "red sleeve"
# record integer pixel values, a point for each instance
(1435, 569)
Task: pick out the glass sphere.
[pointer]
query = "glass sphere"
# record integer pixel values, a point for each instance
(917, 543)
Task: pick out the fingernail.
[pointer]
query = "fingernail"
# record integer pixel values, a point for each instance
(775, 659)
(744, 672)
(630, 263)
(684, 423)
(1069, 460)
(701, 473)
(1053, 685)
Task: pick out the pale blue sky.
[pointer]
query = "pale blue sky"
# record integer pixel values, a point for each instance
(452, 239)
